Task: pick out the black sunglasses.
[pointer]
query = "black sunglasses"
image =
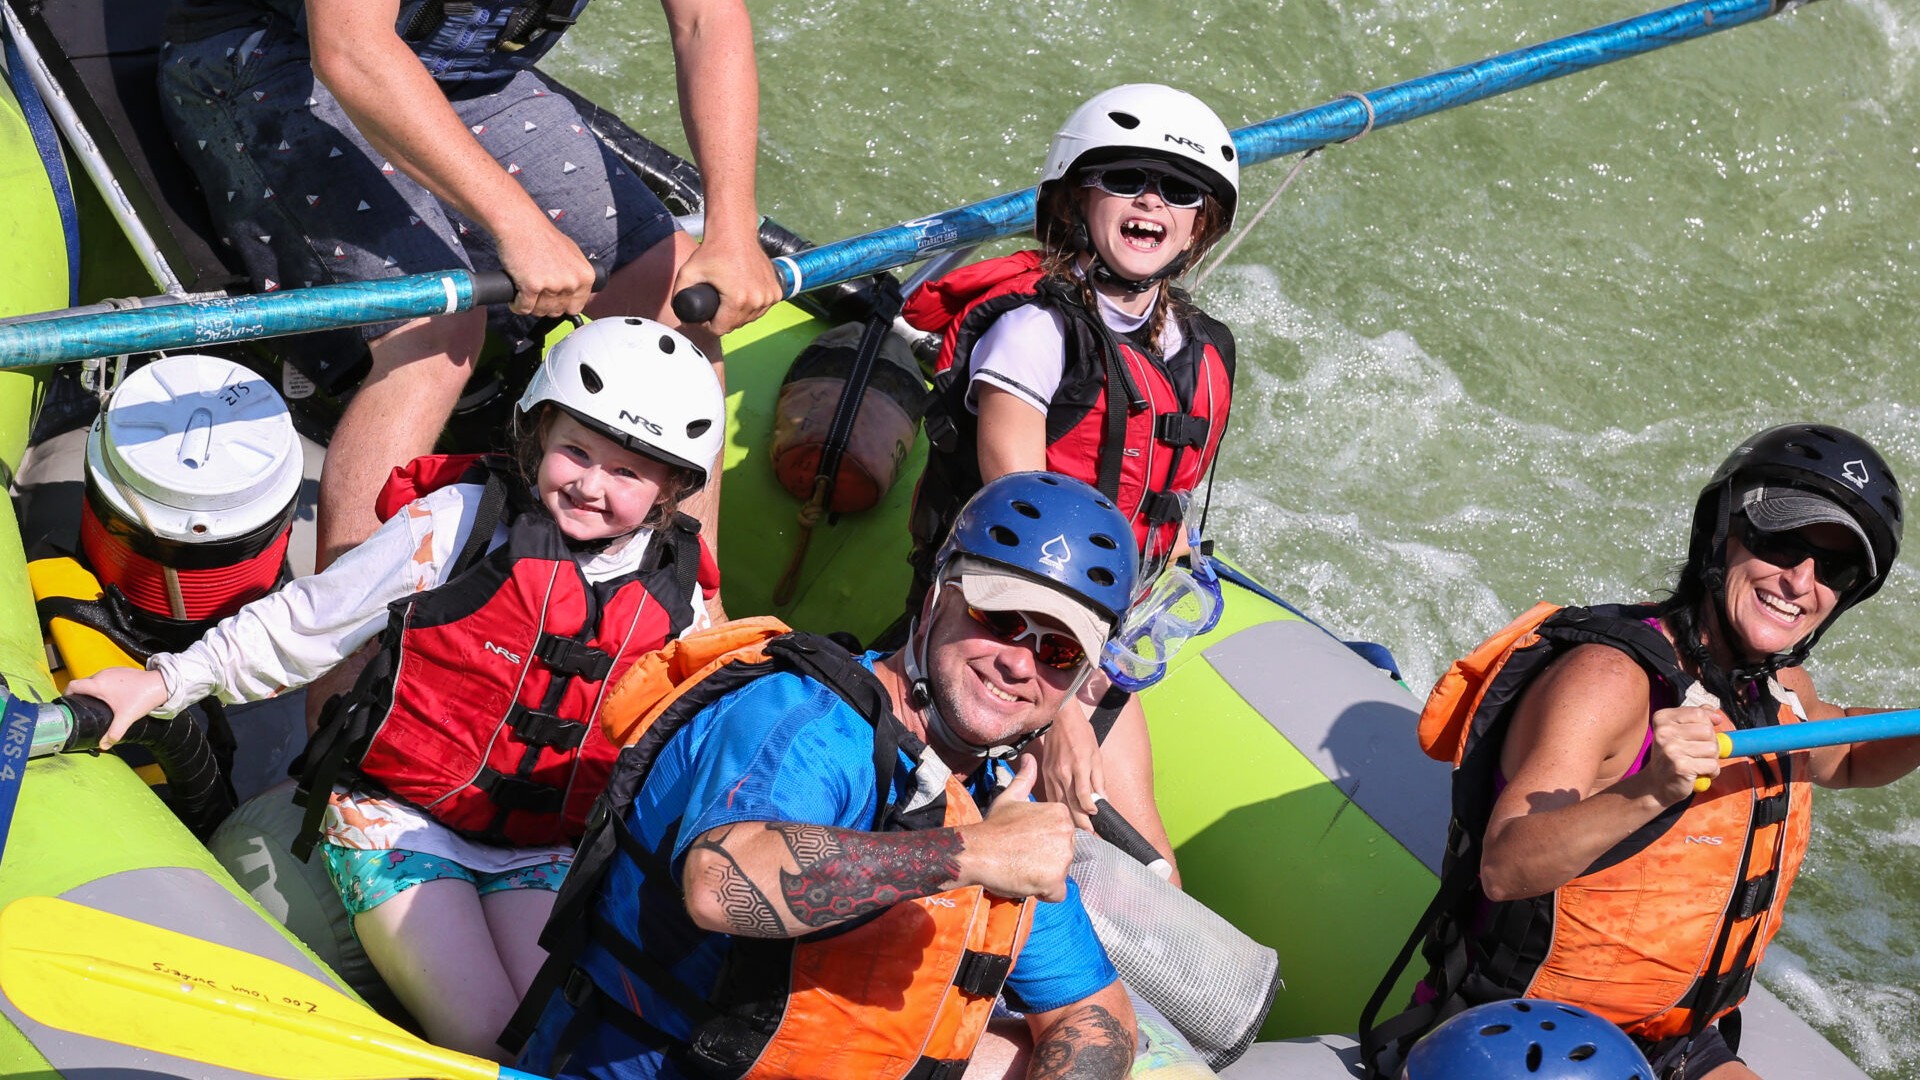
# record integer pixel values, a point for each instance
(1129, 183)
(1837, 570)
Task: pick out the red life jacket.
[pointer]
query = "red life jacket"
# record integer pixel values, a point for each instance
(480, 706)
(1156, 445)
(1661, 935)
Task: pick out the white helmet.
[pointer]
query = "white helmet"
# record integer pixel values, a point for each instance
(1145, 123)
(641, 384)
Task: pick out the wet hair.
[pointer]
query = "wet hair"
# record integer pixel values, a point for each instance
(529, 441)
(1062, 253)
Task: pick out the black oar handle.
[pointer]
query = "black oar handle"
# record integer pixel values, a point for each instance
(1119, 832)
(696, 303)
(495, 287)
(201, 796)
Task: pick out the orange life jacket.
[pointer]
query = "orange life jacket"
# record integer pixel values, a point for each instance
(1662, 934)
(906, 993)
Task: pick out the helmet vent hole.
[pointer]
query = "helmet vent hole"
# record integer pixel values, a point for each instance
(1534, 1057)
(666, 343)
(1582, 1052)
(631, 321)
(697, 428)
(1050, 481)
(1102, 540)
(1101, 576)
(1025, 509)
(1546, 1025)
(1003, 535)
(1125, 120)
(1226, 152)
(1496, 1029)
(1802, 450)
(590, 379)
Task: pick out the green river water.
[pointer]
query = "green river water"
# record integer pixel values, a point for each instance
(1486, 358)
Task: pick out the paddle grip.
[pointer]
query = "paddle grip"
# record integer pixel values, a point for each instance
(495, 287)
(1118, 831)
(1702, 783)
(696, 303)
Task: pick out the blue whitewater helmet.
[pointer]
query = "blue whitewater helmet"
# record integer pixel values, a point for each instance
(1036, 542)
(1053, 528)
(1526, 1040)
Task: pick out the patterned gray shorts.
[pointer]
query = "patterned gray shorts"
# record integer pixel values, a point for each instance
(304, 199)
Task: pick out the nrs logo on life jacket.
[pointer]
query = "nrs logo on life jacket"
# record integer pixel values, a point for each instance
(506, 752)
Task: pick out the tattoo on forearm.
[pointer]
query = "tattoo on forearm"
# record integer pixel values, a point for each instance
(846, 874)
(748, 910)
(1089, 1043)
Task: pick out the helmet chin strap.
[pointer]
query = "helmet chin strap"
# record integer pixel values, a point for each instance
(921, 691)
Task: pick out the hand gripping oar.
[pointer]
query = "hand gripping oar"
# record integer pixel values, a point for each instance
(32, 342)
(1753, 742)
(86, 971)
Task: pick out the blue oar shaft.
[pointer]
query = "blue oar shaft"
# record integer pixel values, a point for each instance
(1847, 729)
(200, 323)
(1342, 118)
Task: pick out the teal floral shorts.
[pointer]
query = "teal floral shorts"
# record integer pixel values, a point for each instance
(367, 879)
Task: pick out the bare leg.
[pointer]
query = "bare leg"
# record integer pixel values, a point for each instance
(418, 373)
(1127, 760)
(515, 918)
(434, 946)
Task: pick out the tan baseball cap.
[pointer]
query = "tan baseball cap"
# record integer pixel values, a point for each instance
(992, 587)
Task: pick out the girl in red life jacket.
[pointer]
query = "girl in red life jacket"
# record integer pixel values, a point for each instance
(494, 655)
(1083, 358)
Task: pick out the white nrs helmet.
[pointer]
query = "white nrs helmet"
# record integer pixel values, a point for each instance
(641, 384)
(1145, 123)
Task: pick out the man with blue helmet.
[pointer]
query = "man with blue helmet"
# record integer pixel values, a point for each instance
(815, 864)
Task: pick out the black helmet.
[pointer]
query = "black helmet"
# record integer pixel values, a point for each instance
(1832, 463)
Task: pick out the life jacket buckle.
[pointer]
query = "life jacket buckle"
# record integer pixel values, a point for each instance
(1755, 896)
(1183, 430)
(570, 657)
(982, 974)
(537, 728)
(1771, 810)
(514, 793)
(1161, 507)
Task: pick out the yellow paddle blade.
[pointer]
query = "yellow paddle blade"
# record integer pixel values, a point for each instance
(97, 974)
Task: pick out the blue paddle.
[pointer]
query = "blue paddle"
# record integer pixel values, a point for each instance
(1753, 742)
(33, 341)
(1344, 118)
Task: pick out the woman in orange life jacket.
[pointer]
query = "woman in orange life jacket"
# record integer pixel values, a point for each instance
(1599, 813)
(615, 428)
(1083, 358)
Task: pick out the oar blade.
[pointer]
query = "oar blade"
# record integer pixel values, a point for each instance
(97, 974)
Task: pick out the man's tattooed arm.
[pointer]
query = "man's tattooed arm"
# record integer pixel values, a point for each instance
(824, 875)
(846, 874)
(1086, 1040)
(747, 911)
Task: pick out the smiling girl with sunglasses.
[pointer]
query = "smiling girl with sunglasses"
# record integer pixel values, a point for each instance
(1083, 358)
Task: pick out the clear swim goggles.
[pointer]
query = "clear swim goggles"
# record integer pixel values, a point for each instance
(1182, 603)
